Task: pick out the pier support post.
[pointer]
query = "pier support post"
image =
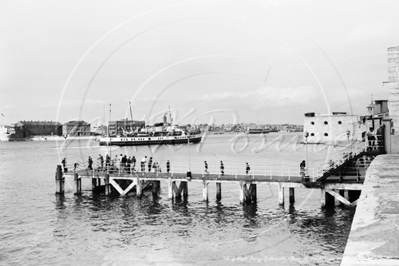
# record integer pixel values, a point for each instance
(205, 190)
(327, 200)
(93, 184)
(247, 192)
(242, 193)
(218, 191)
(170, 188)
(78, 184)
(155, 187)
(139, 187)
(252, 193)
(292, 195)
(280, 194)
(184, 189)
(59, 181)
(107, 185)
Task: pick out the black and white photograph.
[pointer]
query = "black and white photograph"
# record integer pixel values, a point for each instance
(199, 132)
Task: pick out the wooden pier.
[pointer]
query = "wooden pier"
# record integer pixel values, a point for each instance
(340, 181)
(178, 184)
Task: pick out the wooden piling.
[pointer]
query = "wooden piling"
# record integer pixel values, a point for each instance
(139, 187)
(242, 192)
(292, 195)
(280, 194)
(59, 180)
(327, 200)
(107, 185)
(205, 190)
(218, 191)
(78, 184)
(170, 188)
(93, 184)
(252, 191)
(184, 189)
(155, 187)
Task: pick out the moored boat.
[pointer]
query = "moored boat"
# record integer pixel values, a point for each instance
(257, 131)
(152, 138)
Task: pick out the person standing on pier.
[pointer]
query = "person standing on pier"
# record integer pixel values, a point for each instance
(101, 159)
(90, 163)
(143, 161)
(64, 164)
(167, 166)
(107, 162)
(149, 164)
(221, 168)
(302, 167)
(206, 167)
(247, 169)
(123, 163)
(128, 163)
(133, 164)
(154, 167)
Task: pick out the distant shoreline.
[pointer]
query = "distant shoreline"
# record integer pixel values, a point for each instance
(52, 138)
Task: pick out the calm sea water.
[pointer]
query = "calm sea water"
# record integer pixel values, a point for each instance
(38, 227)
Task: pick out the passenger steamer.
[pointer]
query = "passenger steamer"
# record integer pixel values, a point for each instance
(159, 134)
(152, 138)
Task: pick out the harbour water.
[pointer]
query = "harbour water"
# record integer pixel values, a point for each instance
(38, 227)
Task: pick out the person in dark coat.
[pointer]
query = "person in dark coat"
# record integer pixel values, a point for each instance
(133, 164)
(107, 162)
(101, 159)
(206, 167)
(302, 167)
(64, 164)
(90, 163)
(149, 164)
(128, 163)
(221, 168)
(123, 163)
(247, 169)
(168, 166)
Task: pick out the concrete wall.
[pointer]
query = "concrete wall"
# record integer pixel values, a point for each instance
(393, 86)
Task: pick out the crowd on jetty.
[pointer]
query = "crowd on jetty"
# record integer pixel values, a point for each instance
(128, 164)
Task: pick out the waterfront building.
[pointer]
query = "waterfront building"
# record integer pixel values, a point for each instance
(42, 128)
(27, 129)
(17, 131)
(76, 128)
(330, 128)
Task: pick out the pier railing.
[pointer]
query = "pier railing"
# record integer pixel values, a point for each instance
(239, 169)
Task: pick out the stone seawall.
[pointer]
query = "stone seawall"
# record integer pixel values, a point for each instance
(374, 236)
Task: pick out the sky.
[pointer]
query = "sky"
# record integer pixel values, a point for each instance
(211, 61)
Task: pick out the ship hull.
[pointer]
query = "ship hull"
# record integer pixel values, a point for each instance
(139, 141)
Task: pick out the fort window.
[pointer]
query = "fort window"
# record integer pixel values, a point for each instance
(311, 134)
(339, 122)
(312, 123)
(326, 134)
(325, 123)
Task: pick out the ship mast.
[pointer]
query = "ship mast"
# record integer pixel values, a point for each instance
(131, 115)
(170, 117)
